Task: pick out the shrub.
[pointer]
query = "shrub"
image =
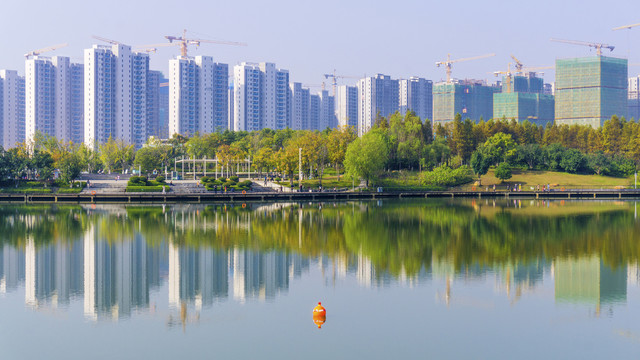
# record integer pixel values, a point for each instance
(160, 179)
(235, 179)
(278, 179)
(246, 183)
(146, 188)
(445, 176)
(137, 181)
(503, 171)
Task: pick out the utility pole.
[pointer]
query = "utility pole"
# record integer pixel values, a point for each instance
(299, 168)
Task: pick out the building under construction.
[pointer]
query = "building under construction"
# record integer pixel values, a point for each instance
(472, 99)
(523, 99)
(590, 90)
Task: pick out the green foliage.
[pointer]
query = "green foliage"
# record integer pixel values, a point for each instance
(366, 156)
(234, 178)
(479, 163)
(503, 171)
(445, 176)
(138, 181)
(160, 179)
(157, 188)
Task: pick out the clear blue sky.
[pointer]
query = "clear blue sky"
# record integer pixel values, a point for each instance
(400, 38)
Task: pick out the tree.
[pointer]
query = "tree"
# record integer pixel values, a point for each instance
(42, 163)
(337, 144)
(503, 171)
(109, 154)
(148, 159)
(480, 164)
(530, 154)
(599, 162)
(70, 166)
(499, 148)
(366, 156)
(572, 161)
(264, 159)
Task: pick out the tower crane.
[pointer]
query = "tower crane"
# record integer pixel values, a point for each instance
(44, 50)
(109, 41)
(625, 27)
(448, 63)
(183, 42)
(507, 76)
(519, 65)
(336, 77)
(597, 46)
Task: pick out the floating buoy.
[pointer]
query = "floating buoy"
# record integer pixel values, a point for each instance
(319, 315)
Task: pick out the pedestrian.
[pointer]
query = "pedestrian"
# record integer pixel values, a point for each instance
(163, 190)
(494, 187)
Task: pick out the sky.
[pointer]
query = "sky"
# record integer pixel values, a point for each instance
(401, 38)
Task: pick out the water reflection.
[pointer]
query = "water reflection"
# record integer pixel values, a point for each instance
(113, 257)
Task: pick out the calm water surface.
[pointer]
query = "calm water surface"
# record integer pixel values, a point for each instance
(413, 279)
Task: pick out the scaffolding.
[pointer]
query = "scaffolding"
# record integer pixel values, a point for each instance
(472, 99)
(590, 90)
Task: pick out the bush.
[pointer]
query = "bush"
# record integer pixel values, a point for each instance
(235, 179)
(278, 179)
(246, 183)
(69, 191)
(445, 176)
(147, 188)
(34, 184)
(160, 179)
(137, 181)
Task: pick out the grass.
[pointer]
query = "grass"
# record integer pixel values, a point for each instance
(557, 180)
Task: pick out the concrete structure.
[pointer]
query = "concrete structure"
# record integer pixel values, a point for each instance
(163, 108)
(115, 95)
(314, 112)
(472, 99)
(590, 90)
(261, 97)
(198, 95)
(12, 108)
(523, 99)
(153, 103)
(416, 94)
(347, 106)
(377, 95)
(300, 98)
(327, 111)
(633, 98)
(54, 93)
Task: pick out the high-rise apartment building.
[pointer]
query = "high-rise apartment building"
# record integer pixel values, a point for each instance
(153, 103)
(53, 98)
(523, 99)
(115, 100)
(633, 99)
(198, 95)
(347, 106)
(163, 108)
(314, 112)
(327, 111)
(377, 95)
(300, 98)
(261, 97)
(12, 108)
(472, 99)
(590, 90)
(416, 94)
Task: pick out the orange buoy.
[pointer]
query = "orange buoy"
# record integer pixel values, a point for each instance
(319, 315)
(319, 310)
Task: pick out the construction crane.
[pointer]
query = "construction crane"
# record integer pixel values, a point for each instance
(322, 86)
(448, 63)
(44, 50)
(184, 42)
(597, 46)
(507, 76)
(109, 41)
(519, 65)
(336, 77)
(625, 27)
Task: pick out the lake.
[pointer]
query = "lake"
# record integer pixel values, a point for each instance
(482, 279)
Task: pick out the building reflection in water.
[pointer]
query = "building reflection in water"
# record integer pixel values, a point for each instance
(207, 255)
(11, 268)
(588, 280)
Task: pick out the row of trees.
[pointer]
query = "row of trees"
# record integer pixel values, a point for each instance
(399, 142)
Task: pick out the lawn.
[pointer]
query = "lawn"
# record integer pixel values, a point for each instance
(557, 180)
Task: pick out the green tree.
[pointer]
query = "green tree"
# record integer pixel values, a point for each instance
(480, 164)
(70, 166)
(503, 171)
(366, 156)
(148, 159)
(337, 143)
(499, 148)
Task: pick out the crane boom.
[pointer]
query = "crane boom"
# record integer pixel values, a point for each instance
(625, 27)
(44, 50)
(597, 46)
(109, 41)
(336, 77)
(183, 42)
(519, 65)
(448, 63)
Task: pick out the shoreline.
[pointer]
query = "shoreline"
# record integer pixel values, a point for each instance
(197, 198)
